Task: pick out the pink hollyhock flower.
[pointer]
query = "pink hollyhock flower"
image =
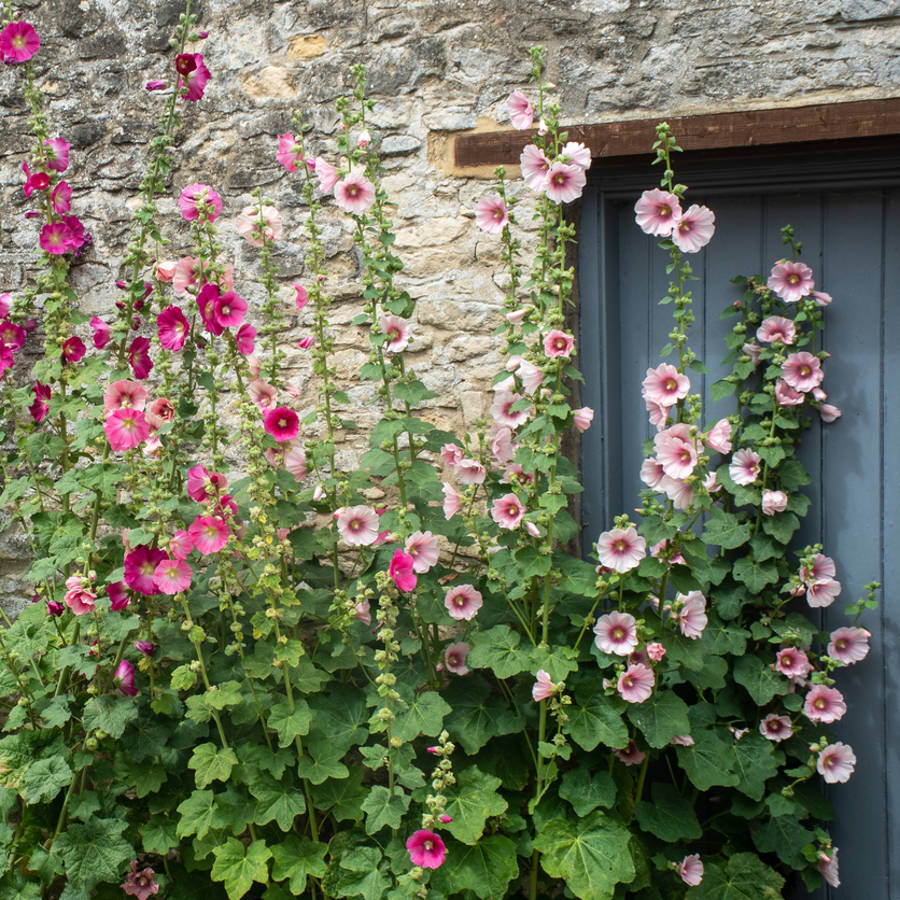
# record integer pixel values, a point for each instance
(455, 658)
(583, 419)
(616, 632)
(849, 644)
(282, 423)
(140, 569)
(193, 78)
(793, 662)
(452, 455)
(821, 298)
(829, 413)
(295, 461)
(691, 615)
(202, 485)
(13, 336)
(791, 280)
(776, 728)
(73, 349)
(5, 303)
(635, 684)
(690, 870)
(422, 546)
(172, 576)
(248, 227)
(57, 151)
(200, 201)
(184, 274)
(398, 331)
(39, 408)
(774, 502)
(802, 371)
(681, 740)
(306, 342)
(126, 429)
(630, 755)
(118, 598)
(652, 473)
(290, 152)
(745, 467)
(564, 183)
(34, 181)
(155, 85)
(452, 501)
(576, 155)
(124, 677)
(470, 471)
(354, 193)
(678, 491)
(503, 415)
(362, 612)
(57, 238)
(822, 593)
(79, 596)
(521, 112)
(621, 549)
(656, 651)
(18, 42)
(102, 334)
(719, 437)
(656, 212)
(507, 511)
(777, 329)
(358, 525)
(463, 601)
(61, 198)
(824, 704)
(694, 229)
(140, 884)
(828, 867)
(262, 394)
(401, 570)
(823, 569)
(785, 395)
(210, 534)
(502, 445)
(676, 451)
(426, 849)
(245, 339)
(327, 174)
(543, 687)
(665, 385)
(139, 358)
(491, 214)
(172, 328)
(229, 309)
(302, 297)
(535, 168)
(180, 544)
(558, 344)
(78, 235)
(836, 763)
(659, 415)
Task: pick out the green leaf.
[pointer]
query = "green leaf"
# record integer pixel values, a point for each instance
(159, 835)
(477, 716)
(425, 716)
(45, 778)
(761, 681)
(227, 694)
(212, 763)
(277, 800)
(239, 868)
(296, 859)
(183, 678)
(792, 474)
(597, 719)
(199, 814)
(94, 851)
(725, 530)
(360, 875)
(784, 836)
(708, 761)
(384, 808)
(755, 763)
(289, 725)
(498, 649)
(110, 714)
(586, 792)
(485, 869)
(744, 877)
(756, 575)
(720, 390)
(592, 854)
(670, 817)
(781, 526)
(660, 717)
(56, 713)
(472, 801)
(322, 765)
(342, 798)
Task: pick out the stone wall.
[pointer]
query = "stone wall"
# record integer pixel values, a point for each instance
(436, 68)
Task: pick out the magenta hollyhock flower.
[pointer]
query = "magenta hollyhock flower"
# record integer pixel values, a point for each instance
(576, 154)
(173, 576)
(155, 85)
(34, 181)
(126, 429)
(824, 704)
(792, 662)
(57, 238)
(118, 596)
(140, 568)
(745, 467)
(503, 415)
(282, 423)
(621, 549)
(18, 42)
(521, 112)
(690, 869)
(5, 304)
(452, 501)
(12, 335)
(124, 678)
(199, 201)
(102, 333)
(802, 371)
(791, 280)
(357, 525)
(354, 193)
(124, 395)
(849, 644)
(535, 167)
(656, 212)
(491, 214)
(776, 728)
(455, 658)
(57, 154)
(558, 344)
(194, 80)
(39, 408)
(665, 385)
(836, 763)
(463, 602)
(507, 511)
(402, 572)
(616, 632)
(249, 228)
(635, 684)
(583, 418)
(229, 309)
(55, 608)
(422, 546)
(80, 596)
(202, 485)
(543, 687)
(327, 174)
(630, 754)
(245, 339)
(694, 229)
(564, 182)
(398, 331)
(73, 349)
(691, 614)
(290, 152)
(172, 328)
(61, 198)
(828, 867)
(139, 358)
(777, 329)
(210, 534)
(426, 849)
(140, 884)
(306, 342)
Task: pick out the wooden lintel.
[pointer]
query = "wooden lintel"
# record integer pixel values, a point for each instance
(758, 127)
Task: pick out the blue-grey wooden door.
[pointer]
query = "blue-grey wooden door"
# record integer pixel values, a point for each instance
(846, 210)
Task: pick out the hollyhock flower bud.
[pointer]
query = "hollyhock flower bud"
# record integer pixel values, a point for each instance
(306, 342)
(156, 85)
(55, 608)
(249, 228)
(774, 502)
(145, 647)
(301, 297)
(125, 678)
(445, 819)
(364, 139)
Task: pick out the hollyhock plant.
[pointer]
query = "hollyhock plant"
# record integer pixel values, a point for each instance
(358, 525)
(210, 534)
(791, 280)
(426, 849)
(18, 42)
(535, 167)
(172, 328)
(354, 193)
(463, 602)
(491, 214)
(690, 869)
(140, 884)
(777, 329)
(656, 212)
(543, 687)
(521, 112)
(621, 549)
(126, 429)
(635, 684)
(249, 228)
(824, 704)
(849, 644)
(200, 201)
(828, 867)
(455, 658)
(140, 568)
(836, 763)
(776, 728)
(507, 511)
(745, 467)
(616, 633)
(402, 572)
(424, 550)
(564, 182)
(694, 229)
(282, 423)
(172, 576)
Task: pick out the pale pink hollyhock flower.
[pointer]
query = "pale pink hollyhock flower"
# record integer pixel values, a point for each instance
(752, 350)
(694, 229)
(836, 763)
(463, 601)
(635, 684)
(791, 280)
(530, 375)
(576, 154)
(452, 455)
(173, 576)
(491, 214)
(828, 867)
(248, 227)
(543, 688)
(140, 884)
(777, 328)
(656, 651)
(532, 529)
(690, 870)
(710, 483)
(210, 534)
(630, 755)
(829, 413)
(124, 678)
(656, 212)
(583, 419)
(616, 632)
(398, 331)
(172, 328)
(200, 201)
(849, 644)
(295, 461)
(676, 454)
(470, 471)
(681, 740)
(263, 394)
(661, 550)
(327, 174)
(621, 549)
(652, 472)
(823, 569)
(507, 511)
(290, 152)
(802, 371)
(57, 154)
(776, 728)
(455, 658)
(518, 315)
(822, 593)
(282, 423)
(180, 544)
(558, 344)
(793, 663)
(184, 274)
(774, 502)
(165, 270)
(124, 395)
(362, 612)
(426, 849)
(692, 618)
(719, 437)
(159, 412)
(564, 183)
(785, 395)
(452, 501)
(521, 112)
(401, 570)
(18, 42)
(665, 385)
(126, 429)
(745, 467)
(824, 704)
(422, 546)
(678, 491)
(500, 409)
(357, 525)
(79, 596)
(535, 167)
(364, 139)
(821, 298)
(503, 447)
(354, 193)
